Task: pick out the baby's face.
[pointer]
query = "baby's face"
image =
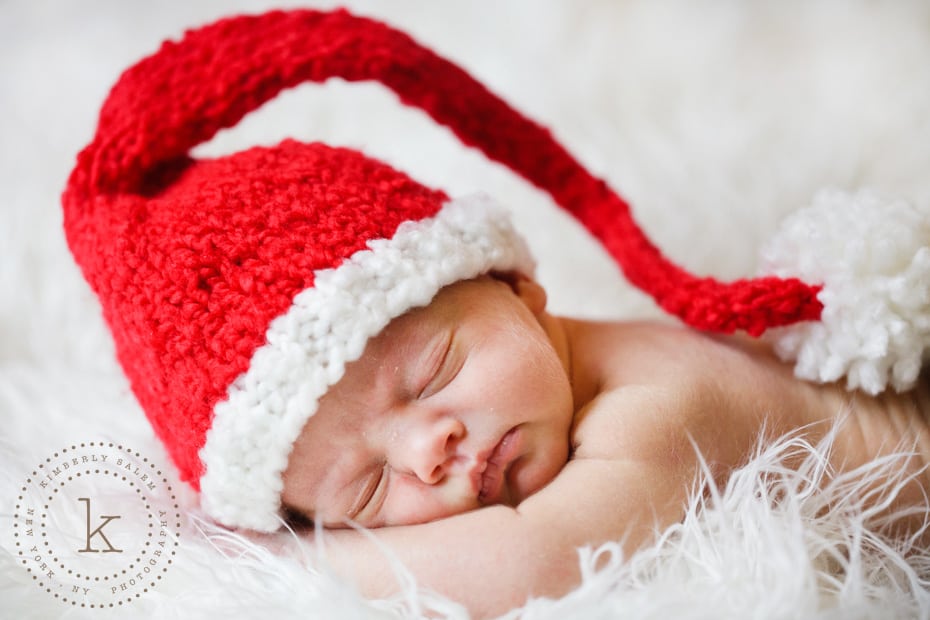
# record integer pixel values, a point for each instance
(457, 405)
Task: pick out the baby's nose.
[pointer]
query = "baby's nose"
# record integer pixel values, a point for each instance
(430, 448)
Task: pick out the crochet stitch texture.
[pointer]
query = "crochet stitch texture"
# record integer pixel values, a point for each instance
(195, 259)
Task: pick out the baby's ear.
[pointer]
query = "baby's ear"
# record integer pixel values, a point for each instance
(526, 288)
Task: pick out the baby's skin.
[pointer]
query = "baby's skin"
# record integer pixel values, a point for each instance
(487, 439)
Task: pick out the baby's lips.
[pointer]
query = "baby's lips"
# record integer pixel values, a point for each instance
(493, 468)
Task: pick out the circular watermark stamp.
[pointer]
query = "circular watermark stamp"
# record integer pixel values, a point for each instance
(96, 525)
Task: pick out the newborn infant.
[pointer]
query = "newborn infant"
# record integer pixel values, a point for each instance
(489, 439)
(483, 438)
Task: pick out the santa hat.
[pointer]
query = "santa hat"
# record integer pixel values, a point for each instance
(238, 288)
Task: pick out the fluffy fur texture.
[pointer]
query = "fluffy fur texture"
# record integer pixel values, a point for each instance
(716, 121)
(768, 545)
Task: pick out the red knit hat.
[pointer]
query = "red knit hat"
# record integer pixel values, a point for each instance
(238, 288)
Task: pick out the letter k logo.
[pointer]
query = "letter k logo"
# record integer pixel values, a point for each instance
(97, 532)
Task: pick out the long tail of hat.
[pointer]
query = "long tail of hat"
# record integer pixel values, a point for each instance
(183, 94)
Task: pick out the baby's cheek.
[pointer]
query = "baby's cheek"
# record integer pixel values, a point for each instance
(414, 502)
(531, 473)
(539, 381)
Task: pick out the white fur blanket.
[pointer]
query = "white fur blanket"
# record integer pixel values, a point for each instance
(715, 119)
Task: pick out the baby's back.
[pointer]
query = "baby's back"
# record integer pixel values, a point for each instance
(725, 390)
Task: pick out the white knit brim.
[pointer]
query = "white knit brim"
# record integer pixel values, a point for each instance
(326, 327)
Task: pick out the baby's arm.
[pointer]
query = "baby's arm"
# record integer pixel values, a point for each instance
(494, 558)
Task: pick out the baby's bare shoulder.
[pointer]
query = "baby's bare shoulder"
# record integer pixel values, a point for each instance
(637, 422)
(650, 352)
(664, 391)
(632, 466)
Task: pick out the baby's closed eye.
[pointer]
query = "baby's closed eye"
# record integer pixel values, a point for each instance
(440, 367)
(372, 495)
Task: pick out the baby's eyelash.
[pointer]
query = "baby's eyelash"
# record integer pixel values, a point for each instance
(372, 487)
(436, 370)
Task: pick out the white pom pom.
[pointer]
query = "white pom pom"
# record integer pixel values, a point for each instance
(872, 258)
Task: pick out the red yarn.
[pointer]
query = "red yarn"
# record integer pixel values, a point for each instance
(189, 280)
(154, 116)
(189, 299)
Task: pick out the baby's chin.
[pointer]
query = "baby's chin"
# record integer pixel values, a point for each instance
(526, 477)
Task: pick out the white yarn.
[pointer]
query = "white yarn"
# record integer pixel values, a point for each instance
(872, 257)
(327, 326)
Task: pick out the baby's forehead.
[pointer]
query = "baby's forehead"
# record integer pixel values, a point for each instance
(405, 338)
(407, 334)
(389, 356)
(418, 324)
(455, 301)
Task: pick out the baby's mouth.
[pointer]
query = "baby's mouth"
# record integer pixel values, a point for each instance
(490, 472)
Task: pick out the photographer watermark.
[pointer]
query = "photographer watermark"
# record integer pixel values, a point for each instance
(96, 525)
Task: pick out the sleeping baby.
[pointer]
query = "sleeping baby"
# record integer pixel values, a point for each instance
(313, 333)
(489, 439)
